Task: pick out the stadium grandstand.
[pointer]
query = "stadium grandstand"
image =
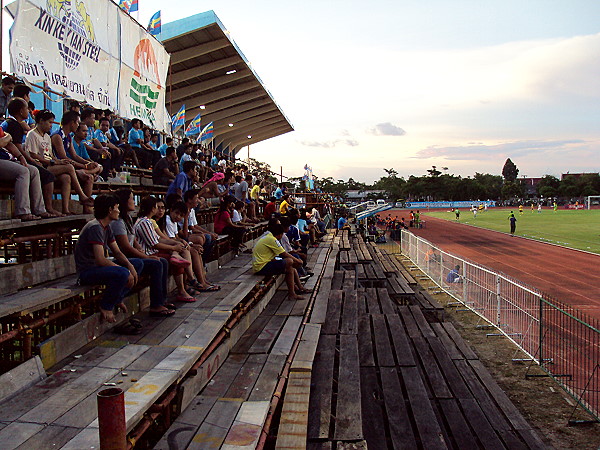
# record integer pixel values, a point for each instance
(233, 310)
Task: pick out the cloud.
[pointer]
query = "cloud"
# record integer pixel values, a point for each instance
(331, 144)
(386, 129)
(496, 151)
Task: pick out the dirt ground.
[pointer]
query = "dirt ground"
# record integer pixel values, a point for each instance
(542, 401)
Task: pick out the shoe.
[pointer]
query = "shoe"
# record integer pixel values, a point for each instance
(178, 262)
(304, 277)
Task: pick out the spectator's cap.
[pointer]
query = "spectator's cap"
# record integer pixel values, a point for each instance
(117, 123)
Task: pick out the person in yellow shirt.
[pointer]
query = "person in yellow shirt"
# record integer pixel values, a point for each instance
(285, 205)
(521, 209)
(270, 258)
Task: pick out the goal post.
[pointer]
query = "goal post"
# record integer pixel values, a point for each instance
(592, 199)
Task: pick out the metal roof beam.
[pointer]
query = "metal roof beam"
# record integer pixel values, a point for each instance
(198, 88)
(238, 132)
(180, 56)
(252, 119)
(230, 112)
(235, 147)
(206, 99)
(241, 137)
(203, 69)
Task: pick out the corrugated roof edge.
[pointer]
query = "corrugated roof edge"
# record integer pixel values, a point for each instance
(189, 24)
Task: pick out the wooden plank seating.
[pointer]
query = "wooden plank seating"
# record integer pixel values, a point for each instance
(146, 366)
(247, 380)
(415, 382)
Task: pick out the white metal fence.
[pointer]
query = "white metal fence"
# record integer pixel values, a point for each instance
(564, 341)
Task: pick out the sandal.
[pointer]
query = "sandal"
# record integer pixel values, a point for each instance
(211, 288)
(163, 313)
(127, 328)
(184, 299)
(170, 306)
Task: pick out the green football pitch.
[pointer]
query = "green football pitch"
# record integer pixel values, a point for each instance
(578, 229)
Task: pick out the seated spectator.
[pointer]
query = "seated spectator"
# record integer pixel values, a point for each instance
(307, 228)
(82, 148)
(286, 203)
(214, 162)
(212, 187)
(28, 190)
(93, 149)
(93, 267)
(316, 215)
(239, 213)
(62, 145)
(280, 191)
(102, 135)
(8, 85)
(342, 223)
(269, 258)
(23, 91)
(187, 156)
(191, 231)
(75, 106)
(224, 225)
(287, 246)
(117, 132)
(165, 145)
(39, 146)
(165, 170)
(298, 242)
(181, 148)
(454, 275)
(185, 180)
(170, 226)
(15, 125)
(152, 244)
(156, 268)
(135, 140)
(270, 208)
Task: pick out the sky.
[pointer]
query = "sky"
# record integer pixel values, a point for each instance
(408, 84)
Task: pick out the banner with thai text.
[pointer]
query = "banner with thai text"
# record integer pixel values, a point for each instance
(91, 51)
(71, 44)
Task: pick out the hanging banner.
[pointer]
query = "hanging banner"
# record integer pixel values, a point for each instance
(72, 45)
(92, 51)
(144, 66)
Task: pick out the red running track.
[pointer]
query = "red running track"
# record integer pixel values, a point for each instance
(570, 276)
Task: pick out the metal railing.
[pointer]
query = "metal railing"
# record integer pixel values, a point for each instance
(564, 341)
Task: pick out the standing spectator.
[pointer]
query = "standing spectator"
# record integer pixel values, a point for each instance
(94, 267)
(513, 223)
(39, 146)
(165, 170)
(8, 84)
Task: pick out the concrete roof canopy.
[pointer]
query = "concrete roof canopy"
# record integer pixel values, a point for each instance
(209, 70)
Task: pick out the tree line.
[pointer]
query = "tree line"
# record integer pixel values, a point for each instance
(440, 186)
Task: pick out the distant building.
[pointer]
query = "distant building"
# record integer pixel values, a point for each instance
(576, 175)
(530, 186)
(359, 196)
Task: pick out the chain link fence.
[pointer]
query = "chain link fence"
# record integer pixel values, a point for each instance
(564, 341)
